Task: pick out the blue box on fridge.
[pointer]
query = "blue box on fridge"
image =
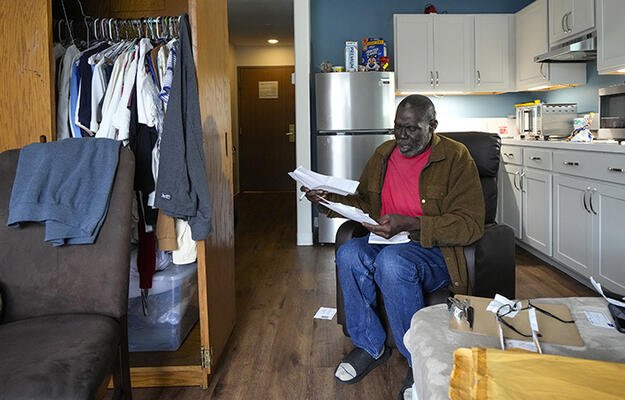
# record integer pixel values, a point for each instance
(171, 312)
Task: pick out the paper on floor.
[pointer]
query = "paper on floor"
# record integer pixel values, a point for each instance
(598, 319)
(325, 313)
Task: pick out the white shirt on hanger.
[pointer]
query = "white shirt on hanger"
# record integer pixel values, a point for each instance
(112, 96)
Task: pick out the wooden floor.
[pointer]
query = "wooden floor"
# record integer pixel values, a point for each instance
(278, 351)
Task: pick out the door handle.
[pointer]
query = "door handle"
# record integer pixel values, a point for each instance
(584, 199)
(572, 163)
(535, 158)
(541, 71)
(516, 174)
(615, 169)
(479, 77)
(436, 78)
(566, 21)
(592, 208)
(521, 175)
(509, 155)
(562, 23)
(431, 79)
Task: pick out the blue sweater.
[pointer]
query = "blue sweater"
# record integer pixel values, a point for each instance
(67, 186)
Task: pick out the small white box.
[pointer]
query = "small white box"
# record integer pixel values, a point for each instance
(351, 56)
(170, 313)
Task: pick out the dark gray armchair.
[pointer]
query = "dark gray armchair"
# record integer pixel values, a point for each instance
(490, 260)
(63, 330)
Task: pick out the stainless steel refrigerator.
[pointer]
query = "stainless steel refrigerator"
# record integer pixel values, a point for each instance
(355, 111)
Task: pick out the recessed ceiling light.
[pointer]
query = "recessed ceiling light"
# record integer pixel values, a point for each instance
(272, 41)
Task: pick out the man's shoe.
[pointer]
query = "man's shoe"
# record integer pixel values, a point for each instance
(357, 364)
(406, 390)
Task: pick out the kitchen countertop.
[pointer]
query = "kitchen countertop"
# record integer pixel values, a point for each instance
(564, 145)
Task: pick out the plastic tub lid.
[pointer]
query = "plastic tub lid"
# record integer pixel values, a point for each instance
(162, 281)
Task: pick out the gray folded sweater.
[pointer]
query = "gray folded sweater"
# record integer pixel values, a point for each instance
(66, 185)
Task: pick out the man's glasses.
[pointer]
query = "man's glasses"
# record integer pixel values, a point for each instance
(507, 309)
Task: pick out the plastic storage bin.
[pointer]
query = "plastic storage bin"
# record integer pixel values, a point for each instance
(171, 312)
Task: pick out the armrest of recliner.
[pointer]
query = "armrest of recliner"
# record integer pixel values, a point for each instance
(493, 268)
(348, 230)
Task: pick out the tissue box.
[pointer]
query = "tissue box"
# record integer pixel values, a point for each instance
(172, 309)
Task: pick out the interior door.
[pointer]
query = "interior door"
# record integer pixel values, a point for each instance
(266, 119)
(27, 101)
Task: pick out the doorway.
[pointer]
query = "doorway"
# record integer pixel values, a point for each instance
(266, 128)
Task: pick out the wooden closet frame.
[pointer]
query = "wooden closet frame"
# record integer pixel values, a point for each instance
(30, 76)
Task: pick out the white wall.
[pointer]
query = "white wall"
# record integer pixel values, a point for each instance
(264, 55)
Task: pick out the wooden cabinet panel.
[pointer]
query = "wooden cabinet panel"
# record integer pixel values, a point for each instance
(27, 70)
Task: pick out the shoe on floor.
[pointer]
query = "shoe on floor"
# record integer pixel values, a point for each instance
(357, 364)
(406, 390)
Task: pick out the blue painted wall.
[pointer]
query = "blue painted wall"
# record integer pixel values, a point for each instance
(333, 22)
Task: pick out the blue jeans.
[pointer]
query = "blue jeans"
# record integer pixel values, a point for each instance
(403, 272)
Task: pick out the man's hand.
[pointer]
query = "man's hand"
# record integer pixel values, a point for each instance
(314, 195)
(392, 224)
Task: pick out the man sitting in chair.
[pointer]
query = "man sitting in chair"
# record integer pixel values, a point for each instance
(420, 183)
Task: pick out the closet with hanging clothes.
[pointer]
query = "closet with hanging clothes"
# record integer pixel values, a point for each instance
(101, 41)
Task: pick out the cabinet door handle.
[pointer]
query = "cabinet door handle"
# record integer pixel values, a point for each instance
(431, 79)
(574, 163)
(566, 21)
(541, 71)
(584, 199)
(479, 77)
(521, 175)
(592, 208)
(613, 169)
(562, 23)
(535, 158)
(516, 174)
(436, 78)
(509, 155)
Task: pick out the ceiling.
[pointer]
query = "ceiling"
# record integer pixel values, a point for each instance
(252, 22)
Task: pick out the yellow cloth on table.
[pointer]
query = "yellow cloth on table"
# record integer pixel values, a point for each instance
(514, 375)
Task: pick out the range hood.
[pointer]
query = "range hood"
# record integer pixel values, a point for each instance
(580, 49)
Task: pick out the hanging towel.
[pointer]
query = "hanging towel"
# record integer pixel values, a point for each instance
(182, 185)
(66, 185)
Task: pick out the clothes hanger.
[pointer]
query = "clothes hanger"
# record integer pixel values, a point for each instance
(69, 27)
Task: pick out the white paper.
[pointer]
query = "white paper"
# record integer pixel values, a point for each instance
(521, 344)
(499, 301)
(332, 184)
(401, 237)
(349, 212)
(533, 321)
(325, 313)
(597, 287)
(598, 319)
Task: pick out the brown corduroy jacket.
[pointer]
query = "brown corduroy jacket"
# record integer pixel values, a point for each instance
(451, 198)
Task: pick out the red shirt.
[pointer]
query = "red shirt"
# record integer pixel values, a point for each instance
(400, 191)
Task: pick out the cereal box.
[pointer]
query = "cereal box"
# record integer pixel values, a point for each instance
(374, 54)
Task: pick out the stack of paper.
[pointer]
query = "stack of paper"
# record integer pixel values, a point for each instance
(356, 214)
(314, 180)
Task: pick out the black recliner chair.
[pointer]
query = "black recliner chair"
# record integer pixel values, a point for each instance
(490, 260)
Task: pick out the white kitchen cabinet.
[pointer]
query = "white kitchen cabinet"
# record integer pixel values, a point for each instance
(532, 39)
(494, 53)
(573, 223)
(588, 229)
(610, 36)
(608, 205)
(568, 18)
(537, 192)
(510, 210)
(433, 53)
